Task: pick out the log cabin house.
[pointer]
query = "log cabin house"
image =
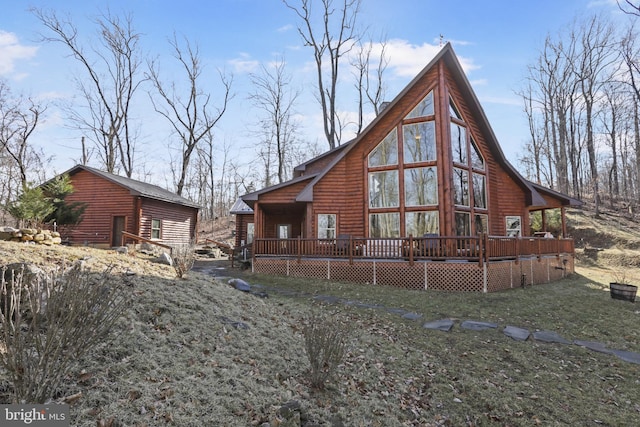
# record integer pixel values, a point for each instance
(115, 204)
(423, 198)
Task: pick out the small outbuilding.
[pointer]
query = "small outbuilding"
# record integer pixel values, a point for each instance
(115, 204)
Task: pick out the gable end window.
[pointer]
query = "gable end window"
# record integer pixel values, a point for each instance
(424, 108)
(385, 153)
(383, 189)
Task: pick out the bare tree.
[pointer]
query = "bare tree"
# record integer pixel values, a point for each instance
(630, 51)
(592, 70)
(275, 97)
(629, 7)
(369, 80)
(331, 36)
(109, 85)
(19, 117)
(191, 115)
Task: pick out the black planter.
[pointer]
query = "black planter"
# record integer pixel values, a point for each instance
(622, 291)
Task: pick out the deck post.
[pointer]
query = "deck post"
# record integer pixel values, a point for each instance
(350, 249)
(410, 249)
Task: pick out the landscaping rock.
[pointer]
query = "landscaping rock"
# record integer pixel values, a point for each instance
(549, 336)
(594, 346)
(627, 356)
(439, 325)
(164, 258)
(240, 285)
(518, 334)
(474, 325)
(236, 324)
(412, 316)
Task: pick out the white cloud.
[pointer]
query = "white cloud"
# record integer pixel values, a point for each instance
(512, 101)
(285, 28)
(12, 51)
(407, 60)
(244, 64)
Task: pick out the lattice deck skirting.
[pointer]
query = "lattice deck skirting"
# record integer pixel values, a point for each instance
(440, 275)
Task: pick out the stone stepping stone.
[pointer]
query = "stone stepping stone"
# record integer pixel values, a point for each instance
(518, 334)
(593, 346)
(327, 298)
(439, 325)
(412, 316)
(549, 336)
(399, 311)
(627, 356)
(474, 325)
(240, 285)
(365, 305)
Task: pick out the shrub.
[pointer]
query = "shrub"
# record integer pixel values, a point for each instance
(183, 257)
(50, 320)
(326, 344)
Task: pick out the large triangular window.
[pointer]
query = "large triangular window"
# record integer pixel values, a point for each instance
(385, 153)
(424, 108)
(453, 110)
(477, 161)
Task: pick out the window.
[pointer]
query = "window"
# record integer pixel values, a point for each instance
(419, 142)
(481, 223)
(424, 108)
(326, 226)
(460, 187)
(459, 144)
(156, 230)
(284, 231)
(420, 186)
(463, 224)
(453, 110)
(477, 161)
(385, 153)
(383, 189)
(479, 191)
(250, 232)
(384, 225)
(418, 224)
(514, 226)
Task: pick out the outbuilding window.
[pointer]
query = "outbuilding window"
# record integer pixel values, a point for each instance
(156, 229)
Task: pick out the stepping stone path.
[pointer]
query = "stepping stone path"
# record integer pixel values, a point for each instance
(439, 325)
(518, 334)
(445, 325)
(474, 325)
(548, 336)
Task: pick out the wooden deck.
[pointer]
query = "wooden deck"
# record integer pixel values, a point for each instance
(471, 249)
(473, 264)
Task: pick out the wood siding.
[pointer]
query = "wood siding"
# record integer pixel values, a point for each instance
(104, 200)
(178, 223)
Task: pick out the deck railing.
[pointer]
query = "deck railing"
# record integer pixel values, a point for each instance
(479, 249)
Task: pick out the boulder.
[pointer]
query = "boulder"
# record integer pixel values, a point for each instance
(164, 258)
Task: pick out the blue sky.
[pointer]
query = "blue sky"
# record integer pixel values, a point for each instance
(495, 40)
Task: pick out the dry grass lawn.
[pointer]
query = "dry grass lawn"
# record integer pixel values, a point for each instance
(178, 359)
